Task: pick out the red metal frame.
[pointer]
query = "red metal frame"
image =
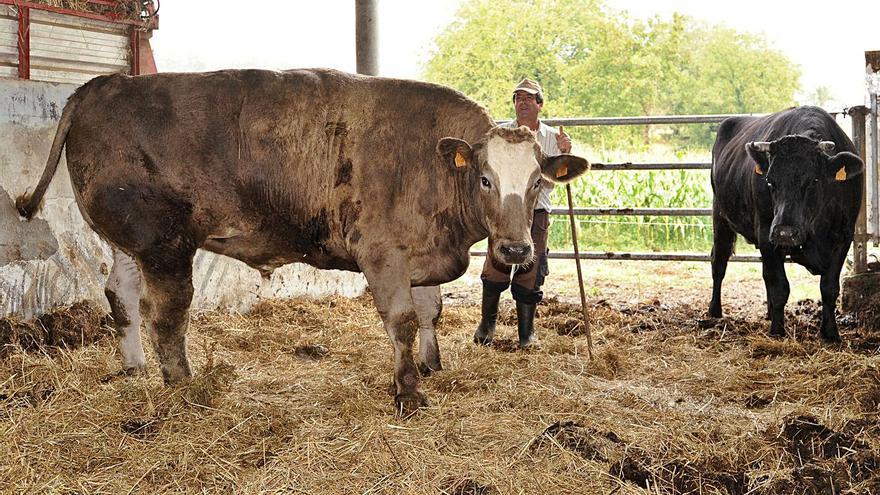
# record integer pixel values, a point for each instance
(24, 43)
(151, 23)
(135, 44)
(24, 30)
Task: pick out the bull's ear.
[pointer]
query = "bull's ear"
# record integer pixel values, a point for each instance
(563, 168)
(844, 166)
(455, 152)
(760, 153)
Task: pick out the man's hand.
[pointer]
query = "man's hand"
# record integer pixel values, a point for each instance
(563, 142)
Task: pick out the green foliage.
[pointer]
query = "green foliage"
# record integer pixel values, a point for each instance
(593, 61)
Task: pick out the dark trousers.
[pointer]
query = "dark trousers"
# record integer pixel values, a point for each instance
(527, 280)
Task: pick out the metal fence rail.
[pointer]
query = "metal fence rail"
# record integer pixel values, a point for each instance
(609, 255)
(652, 166)
(634, 212)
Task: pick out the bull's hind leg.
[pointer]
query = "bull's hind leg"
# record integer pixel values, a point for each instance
(165, 300)
(428, 305)
(722, 247)
(777, 289)
(123, 293)
(389, 279)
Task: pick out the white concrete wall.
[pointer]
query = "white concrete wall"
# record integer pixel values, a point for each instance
(56, 259)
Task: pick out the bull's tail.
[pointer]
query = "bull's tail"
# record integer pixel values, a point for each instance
(28, 204)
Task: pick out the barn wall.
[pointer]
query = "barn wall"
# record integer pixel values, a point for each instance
(55, 259)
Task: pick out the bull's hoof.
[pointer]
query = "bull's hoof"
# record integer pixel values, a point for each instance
(530, 344)
(777, 333)
(134, 370)
(407, 404)
(483, 337)
(176, 372)
(172, 379)
(715, 311)
(426, 370)
(831, 338)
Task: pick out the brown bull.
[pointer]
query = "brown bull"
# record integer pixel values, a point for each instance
(314, 166)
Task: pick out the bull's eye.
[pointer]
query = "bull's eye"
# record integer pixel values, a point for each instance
(538, 183)
(485, 182)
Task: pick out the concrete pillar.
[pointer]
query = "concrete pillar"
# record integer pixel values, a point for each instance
(367, 37)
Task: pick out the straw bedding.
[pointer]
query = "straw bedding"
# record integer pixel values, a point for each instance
(293, 398)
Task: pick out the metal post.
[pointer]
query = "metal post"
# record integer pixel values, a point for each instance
(875, 194)
(24, 42)
(574, 240)
(860, 242)
(366, 37)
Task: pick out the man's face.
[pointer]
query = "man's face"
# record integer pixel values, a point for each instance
(527, 109)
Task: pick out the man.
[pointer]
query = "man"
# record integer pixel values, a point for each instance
(528, 100)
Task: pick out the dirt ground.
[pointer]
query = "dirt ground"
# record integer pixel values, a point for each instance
(630, 282)
(292, 398)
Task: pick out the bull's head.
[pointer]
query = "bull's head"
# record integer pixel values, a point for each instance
(511, 169)
(800, 173)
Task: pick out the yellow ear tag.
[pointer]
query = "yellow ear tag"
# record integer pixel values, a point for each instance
(841, 174)
(758, 170)
(562, 171)
(460, 160)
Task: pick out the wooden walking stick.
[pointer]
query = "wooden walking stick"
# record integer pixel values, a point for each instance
(577, 257)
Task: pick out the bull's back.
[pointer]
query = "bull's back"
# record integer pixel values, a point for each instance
(268, 167)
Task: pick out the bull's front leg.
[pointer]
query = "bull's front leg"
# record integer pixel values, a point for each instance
(829, 286)
(389, 280)
(777, 288)
(428, 304)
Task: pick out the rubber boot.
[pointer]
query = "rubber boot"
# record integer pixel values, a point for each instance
(486, 329)
(525, 321)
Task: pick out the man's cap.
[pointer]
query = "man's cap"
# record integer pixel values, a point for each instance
(529, 86)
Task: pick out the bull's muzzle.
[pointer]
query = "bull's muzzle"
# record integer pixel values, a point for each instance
(786, 236)
(515, 253)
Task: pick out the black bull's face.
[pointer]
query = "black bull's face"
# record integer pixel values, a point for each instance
(511, 169)
(800, 173)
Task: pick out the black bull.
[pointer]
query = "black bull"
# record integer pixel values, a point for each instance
(790, 184)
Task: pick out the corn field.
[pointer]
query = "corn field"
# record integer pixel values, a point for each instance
(638, 189)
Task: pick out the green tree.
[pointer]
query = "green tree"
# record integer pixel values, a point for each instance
(593, 61)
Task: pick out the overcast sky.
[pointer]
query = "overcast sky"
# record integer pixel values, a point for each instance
(827, 40)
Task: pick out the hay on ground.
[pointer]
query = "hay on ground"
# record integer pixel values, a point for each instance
(294, 398)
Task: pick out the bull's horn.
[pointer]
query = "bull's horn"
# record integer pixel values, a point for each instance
(826, 146)
(760, 146)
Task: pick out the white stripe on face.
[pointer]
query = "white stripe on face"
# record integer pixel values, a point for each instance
(513, 164)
